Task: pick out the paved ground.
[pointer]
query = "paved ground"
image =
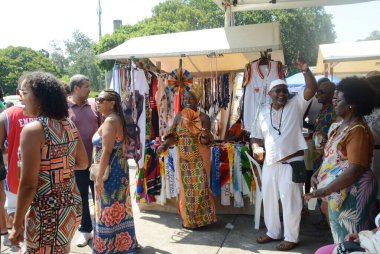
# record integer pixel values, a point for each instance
(160, 232)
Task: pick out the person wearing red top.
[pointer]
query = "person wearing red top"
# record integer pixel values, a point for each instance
(12, 120)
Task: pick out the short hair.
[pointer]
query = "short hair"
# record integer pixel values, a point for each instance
(323, 80)
(329, 84)
(48, 91)
(358, 92)
(77, 80)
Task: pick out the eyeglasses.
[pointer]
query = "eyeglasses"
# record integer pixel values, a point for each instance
(101, 99)
(281, 90)
(321, 92)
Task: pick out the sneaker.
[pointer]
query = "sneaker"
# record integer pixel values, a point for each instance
(83, 239)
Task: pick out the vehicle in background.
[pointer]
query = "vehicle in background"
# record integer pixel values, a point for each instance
(12, 98)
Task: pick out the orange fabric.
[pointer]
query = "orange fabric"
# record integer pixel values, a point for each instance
(191, 121)
(359, 145)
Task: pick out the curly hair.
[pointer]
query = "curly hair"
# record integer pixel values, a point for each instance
(49, 93)
(358, 92)
(374, 81)
(114, 96)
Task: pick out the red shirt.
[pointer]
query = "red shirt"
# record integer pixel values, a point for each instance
(15, 121)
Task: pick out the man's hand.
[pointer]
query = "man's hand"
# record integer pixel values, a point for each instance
(300, 63)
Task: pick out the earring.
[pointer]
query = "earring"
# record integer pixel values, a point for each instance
(350, 107)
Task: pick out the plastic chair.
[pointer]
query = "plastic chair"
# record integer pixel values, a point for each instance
(259, 196)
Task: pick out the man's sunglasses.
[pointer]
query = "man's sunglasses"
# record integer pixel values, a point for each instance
(101, 99)
(281, 90)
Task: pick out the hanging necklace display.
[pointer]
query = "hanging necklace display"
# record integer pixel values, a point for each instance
(271, 121)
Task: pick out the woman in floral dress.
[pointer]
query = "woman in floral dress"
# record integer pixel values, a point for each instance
(345, 177)
(114, 226)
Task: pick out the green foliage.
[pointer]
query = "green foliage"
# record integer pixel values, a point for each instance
(78, 57)
(301, 29)
(15, 60)
(375, 35)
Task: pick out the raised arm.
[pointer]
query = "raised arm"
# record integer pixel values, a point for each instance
(311, 83)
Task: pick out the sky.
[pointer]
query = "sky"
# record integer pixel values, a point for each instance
(35, 23)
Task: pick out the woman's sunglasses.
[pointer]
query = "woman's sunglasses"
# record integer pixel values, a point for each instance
(101, 99)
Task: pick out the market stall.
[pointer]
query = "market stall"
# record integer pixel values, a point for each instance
(212, 58)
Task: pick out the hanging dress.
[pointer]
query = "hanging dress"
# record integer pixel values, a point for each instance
(114, 226)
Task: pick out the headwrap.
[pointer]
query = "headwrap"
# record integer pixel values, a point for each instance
(196, 90)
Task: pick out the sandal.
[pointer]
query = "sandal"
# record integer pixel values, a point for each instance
(285, 246)
(265, 239)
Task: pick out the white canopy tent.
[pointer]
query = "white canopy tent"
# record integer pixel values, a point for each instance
(221, 49)
(249, 5)
(343, 59)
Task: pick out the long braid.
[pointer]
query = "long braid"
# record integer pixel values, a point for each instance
(118, 109)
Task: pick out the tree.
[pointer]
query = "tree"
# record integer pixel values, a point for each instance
(78, 56)
(301, 29)
(375, 35)
(15, 60)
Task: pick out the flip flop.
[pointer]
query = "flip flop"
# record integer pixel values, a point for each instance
(265, 239)
(285, 246)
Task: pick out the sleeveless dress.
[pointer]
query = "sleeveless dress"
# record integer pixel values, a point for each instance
(114, 226)
(56, 210)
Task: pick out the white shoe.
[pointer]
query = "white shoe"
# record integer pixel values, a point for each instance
(83, 239)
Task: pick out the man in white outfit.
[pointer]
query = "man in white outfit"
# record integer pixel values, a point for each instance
(280, 133)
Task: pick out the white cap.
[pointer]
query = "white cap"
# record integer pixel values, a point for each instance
(277, 82)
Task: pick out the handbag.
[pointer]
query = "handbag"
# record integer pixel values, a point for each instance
(94, 172)
(298, 171)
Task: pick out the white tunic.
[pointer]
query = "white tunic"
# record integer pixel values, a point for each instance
(291, 139)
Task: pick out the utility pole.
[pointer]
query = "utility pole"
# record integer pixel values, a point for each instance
(99, 11)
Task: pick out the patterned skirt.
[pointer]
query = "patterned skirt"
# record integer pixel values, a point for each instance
(114, 226)
(358, 210)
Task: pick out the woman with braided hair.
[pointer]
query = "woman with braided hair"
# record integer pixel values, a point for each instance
(114, 226)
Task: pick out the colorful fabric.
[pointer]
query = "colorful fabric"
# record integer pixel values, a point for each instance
(238, 178)
(247, 182)
(215, 170)
(196, 204)
(114, 226)
(322, 125)
(56, 210)
(353, 208)
(224, 176)
(180, 80)
(231, 154)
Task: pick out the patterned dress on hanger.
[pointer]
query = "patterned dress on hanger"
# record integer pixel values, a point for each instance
(56, 210)
(114, 226)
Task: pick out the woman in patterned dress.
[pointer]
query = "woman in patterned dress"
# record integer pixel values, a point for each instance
(51, 149)
(114, 226)
(345, 177)
(191, 133)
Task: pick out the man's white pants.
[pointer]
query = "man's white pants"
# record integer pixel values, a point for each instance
(277, 184)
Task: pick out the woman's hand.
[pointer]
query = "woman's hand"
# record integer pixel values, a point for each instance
(17, 235)
(320, 193)
(99, 185)
(162, 148)
(353, 237)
